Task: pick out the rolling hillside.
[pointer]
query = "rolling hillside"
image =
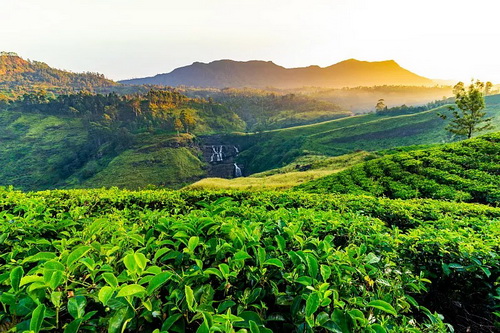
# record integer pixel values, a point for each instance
(262, 74)
(464, 171)
(372, 132)
(303, 169)
(107, 140)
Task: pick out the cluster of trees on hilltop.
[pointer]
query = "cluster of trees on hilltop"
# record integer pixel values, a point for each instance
(114, 118)
(19, 76)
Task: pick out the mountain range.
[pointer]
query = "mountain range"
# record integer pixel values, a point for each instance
(262, 74)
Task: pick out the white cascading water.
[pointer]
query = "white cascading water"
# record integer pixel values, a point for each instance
(236, 150)
(237, 171)
(217, 154)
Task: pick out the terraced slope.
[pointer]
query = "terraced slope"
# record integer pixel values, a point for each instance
(274, 149)
(464, 171)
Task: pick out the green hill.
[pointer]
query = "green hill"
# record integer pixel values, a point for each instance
(372, 132)
(107, 140)
(465, 171)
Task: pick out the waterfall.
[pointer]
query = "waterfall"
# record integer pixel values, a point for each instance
(217, 154)
(237, 171)
(236, 150)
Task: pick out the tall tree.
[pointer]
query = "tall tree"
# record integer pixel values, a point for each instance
(188, 120)
(178, 125)
(380, 106)
(470, 117)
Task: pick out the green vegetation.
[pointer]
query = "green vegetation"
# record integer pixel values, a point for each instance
(98, 140)
(372, 132)
(463, 171)
(470, 101)
(303, 169)
(19, 76)
(94, 260)
(265, 110)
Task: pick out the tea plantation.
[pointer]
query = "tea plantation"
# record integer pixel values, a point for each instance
(236, 261)
(465, 171)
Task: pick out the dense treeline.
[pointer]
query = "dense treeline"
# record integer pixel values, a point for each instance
(404, 109)
(464, 171)
(19, 76)
(264, 110)
(111, 117)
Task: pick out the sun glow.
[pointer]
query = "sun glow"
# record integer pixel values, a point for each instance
(127, 38)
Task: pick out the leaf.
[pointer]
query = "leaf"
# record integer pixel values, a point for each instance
(41, 256)
(312, 304)
(111, 279)
(312, 266)
(242, 255)
(274, 262)
(157, 281)
(189, 297)
(130, 263)
(37, 318)
(377, 328)
(116, 320)
(371, 258)
(15, 277)
(74, 326)
(55, 298)
(254, 328)
(105, 294)
(140, 261)
(281, 243)
(170, 321)
(382, 305)
(30, 279)
(131, 290)
(214, 271)
(53, 273)
(193, 243)
(76, 306)
(77, 254)
(224, 269)
(326, 272)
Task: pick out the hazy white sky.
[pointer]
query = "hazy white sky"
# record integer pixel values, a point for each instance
(446, 39)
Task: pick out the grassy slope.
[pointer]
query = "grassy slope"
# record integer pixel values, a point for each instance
(302, 170)
(136, 168)
(43, 152)
(466, 171)
(277, 148)
(37, 150)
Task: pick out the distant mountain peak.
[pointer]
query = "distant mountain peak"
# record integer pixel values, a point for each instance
(260, 74)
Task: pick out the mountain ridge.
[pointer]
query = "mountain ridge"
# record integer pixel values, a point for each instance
(258, 74)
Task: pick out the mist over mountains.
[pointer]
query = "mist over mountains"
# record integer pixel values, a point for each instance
(262, 74)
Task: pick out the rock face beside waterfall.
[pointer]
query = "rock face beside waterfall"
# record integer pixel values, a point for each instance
(221, 161)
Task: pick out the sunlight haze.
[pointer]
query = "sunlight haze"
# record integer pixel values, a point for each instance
(125, 39)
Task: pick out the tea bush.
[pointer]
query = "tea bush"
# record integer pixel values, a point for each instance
(235, 261)
(467, 171)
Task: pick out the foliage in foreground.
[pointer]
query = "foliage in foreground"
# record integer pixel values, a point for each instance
(89, 260)
(464, 171)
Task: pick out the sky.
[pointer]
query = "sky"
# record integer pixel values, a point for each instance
(439, 39)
